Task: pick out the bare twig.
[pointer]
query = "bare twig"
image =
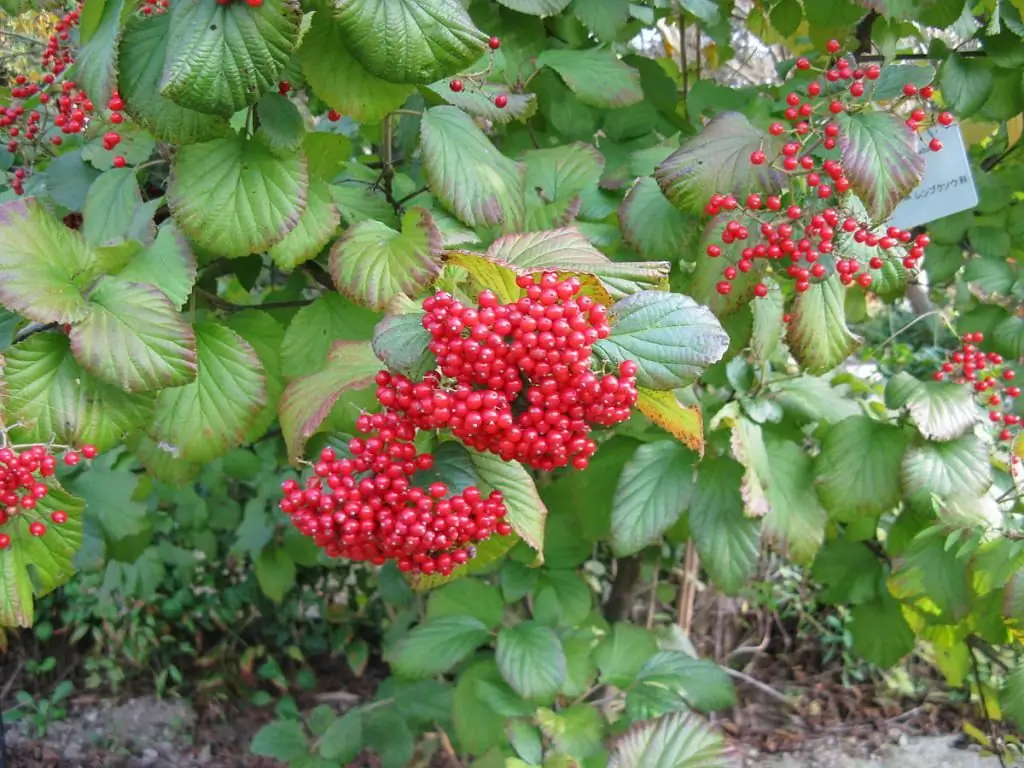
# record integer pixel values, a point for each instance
(32, 329)
(765, 689)
(992, 735)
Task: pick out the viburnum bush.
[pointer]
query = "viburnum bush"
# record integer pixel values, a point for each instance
(521, 313)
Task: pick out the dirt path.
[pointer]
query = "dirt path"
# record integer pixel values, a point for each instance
(915, 752)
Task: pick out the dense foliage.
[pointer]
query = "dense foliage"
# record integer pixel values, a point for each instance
(488, 297)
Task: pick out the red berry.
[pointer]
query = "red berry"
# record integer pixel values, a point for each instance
(37, 528)
(89, 451)
(494, 43)
(945, 118)
(833, 46)
(909, 89)
(761, 290)
(456, 85)
(757, 157)
(803, 63)
(71, 458)
(59, 516)
(501, 101)
(120, 162)
(934, 145)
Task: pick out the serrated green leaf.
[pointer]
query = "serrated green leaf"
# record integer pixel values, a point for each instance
(957, 468)
(168, 264)
(1011, 696)
(410, 41)
(223, 58)
(134, 338)
(531, 659)
(930, 570)
(479, 101)
(401, 341)
(602, 17)
(555, 178)
(341, 81)
(281, 126)
(435, 646)
(469, 597)
(678, 740)
(684, 423)
(716, 161)
(881, 160)
(96, 60)
(314, 330)
(478, 725)
(282, 739)
(673, 681)
(477, 183)
(234, 196)
(209, 416)
(141, 58)
(54, 397)
(372, 264)
(308, 400)
(849, 570)
(44, 266)
(265, 335)
(526, 511)
(992, 276)
(67, 180)
(343, 740)
(36, 565)
(275, 573)
(768, 332)
(672, 338)
(652, 226)
(858, 468)
(940, 411)
(653, 492)
(727, 541)
(622, 653)
(818, 335)
(894, 77)
(561, 598)
(880, 632)
(597, 76)
(965, 84)
(536, 7)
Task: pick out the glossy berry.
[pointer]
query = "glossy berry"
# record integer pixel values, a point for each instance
(494, 43)
(89, 451)
(833, 46)
(59, 516)
(945, 118)
(501, 101)
(37, 528)
(934, 145)
(120, 162)
(757, 157)
(909, 89)
(456, 85)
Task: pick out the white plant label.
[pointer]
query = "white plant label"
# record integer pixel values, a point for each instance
(948, 185)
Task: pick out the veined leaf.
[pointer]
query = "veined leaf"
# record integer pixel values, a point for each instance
(957, 468)
(686, 424)
(436, 646)
(597, 77)
(308, 400)
(652, 226)
(678, 740)
(941, 411)
(526, 511)
(168, 264)
(531, 659)
(818, 335)
(316, 227)
(480, 101)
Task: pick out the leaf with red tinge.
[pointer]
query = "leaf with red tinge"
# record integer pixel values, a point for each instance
(308, 400)
(372, 263)
(44, 266)
(134, 338)
(526, 512)
(316, 227)
(717, 161)
(664, 409)
(207, 417)
(881, 160)
(818, 335)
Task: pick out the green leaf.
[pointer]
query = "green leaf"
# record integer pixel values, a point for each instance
(469, 597)
(602, 17)
(275, 572)
(531, 659)
(96, 60)
(223, 58)
(818, 336)
(525, 739)
(796, 521)
(282, 739)
(858, 468)
(410, 41)
(314, 330)
(372, 263)
(880, 633)
(478, 726)
(653, 492)
(809, 398)
(575, 732)
(849, 570)
(317, 225)
(716, 161)
(894, 77)
(44, 266)
(536, 7)
(707, 273)
(281, 126)
(930, 570)
(437, 645)
(341, 81)
(526, 511)
(234, 196)
(141, 58)
(308, 400)
(880, 156)
(943, 262)
(67, 180)
(53, 397)
(766, 338)
(401, 342)
(479, 101)
(343, 740)
(786, 16)
(39, 564)
(679, 740)
(940, 411)
(672, 338)
(475, 181)
(622, 653)
(992, 275)
(685, 424)
(965, 84)
(957, 468)
(1011, 696)
(265, 335)
(555, 178)
(168, 264)
(652, 226)
(597, 76)
(209, 416)
(134, 338)
(727, 541)
(561, 598)
(672, 681)
(1008, 337)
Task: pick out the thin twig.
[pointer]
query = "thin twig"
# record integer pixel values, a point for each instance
(32, 329)
(446, 745)
(765, 689)
(411, 195)
(993, 737)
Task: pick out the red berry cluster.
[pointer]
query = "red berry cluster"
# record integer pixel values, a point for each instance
(53, 106)
(458, 85)
(985, 374)
(367, 508)
(23, 476)
(154, 7)
(810, 222)
(514, 379)
(250, 3)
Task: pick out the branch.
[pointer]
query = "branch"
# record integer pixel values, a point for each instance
(32, 329)
(620, 601)
(992, 735)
